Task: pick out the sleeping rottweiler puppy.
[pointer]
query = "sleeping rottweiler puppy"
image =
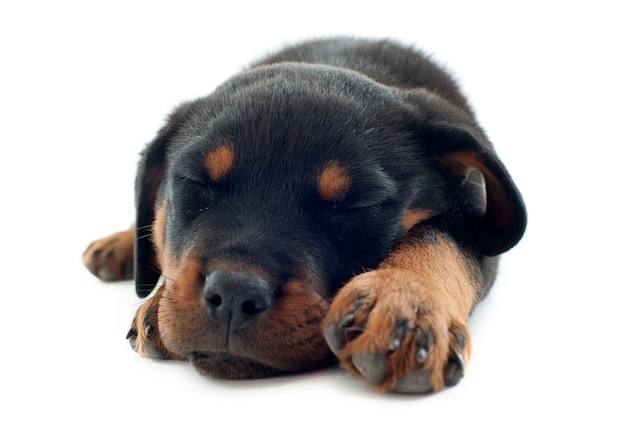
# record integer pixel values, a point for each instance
(336, 199)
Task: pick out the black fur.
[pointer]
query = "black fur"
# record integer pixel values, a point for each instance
(384, 112)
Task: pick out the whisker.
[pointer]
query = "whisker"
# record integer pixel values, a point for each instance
(147, 235)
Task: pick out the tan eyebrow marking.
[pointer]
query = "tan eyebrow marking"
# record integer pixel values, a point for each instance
(333, 182)
(219, 162)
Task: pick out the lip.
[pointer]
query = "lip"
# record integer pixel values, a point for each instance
(228, 366)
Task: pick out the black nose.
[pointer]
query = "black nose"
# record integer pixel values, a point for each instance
(235, 300)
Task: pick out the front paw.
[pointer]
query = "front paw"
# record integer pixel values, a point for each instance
(144, 335)
(388, 330)
(111, 258)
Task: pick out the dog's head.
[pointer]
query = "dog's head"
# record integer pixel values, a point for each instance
(258, 202)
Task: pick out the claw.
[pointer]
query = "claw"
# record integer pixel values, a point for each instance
(401, 329)
(394, 344)
(454, 369)
(421, 355)
(149, 330)
(347, 321)
(132, 333)
(424, 341)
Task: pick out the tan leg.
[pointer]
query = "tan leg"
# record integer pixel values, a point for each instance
(403, 327)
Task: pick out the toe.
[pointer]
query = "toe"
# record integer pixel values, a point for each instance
(372, 366)
(335, 333)
(415, 382)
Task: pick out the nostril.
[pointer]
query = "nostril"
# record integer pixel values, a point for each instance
(215, 300)
(250, 308)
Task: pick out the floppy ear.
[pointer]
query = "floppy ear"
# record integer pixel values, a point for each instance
(149, 176)
(461, 146)
(152, 166)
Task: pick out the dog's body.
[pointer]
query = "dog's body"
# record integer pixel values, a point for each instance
(337, 197)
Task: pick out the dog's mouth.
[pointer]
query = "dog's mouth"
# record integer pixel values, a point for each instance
(227, 366)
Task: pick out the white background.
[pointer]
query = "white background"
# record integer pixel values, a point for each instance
(84, 85)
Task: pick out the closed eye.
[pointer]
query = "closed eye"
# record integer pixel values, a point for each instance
(183, 179)
(339, 213)
(193, 196)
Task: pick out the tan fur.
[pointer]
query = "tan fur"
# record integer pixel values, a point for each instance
(219, 162)
(108, 258)
(158, 228)
(442, 269)
(164, 258)
(414, 216)
(333, 182)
